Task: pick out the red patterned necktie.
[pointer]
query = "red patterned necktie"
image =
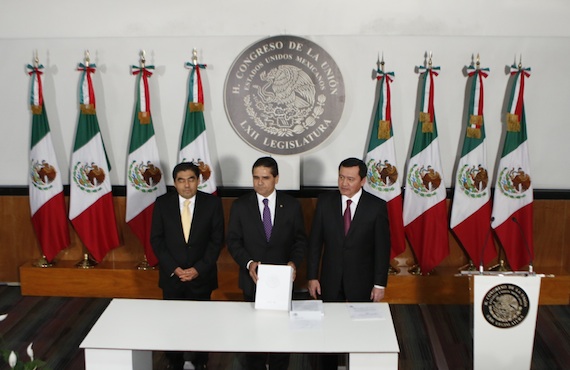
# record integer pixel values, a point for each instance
(347, 217)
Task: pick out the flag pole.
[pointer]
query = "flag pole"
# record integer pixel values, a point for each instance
(87, 262)
(415, 269)
(470, 266)
(144, 265)
(42, 261)
(502, 266)
(392, 269)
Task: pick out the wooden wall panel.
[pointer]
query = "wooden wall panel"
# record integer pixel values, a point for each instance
(18, 245)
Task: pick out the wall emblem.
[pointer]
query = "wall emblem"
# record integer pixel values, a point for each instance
(284, 95)
(505, 306)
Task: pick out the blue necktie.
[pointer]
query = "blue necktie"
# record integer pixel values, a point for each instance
(267, 219)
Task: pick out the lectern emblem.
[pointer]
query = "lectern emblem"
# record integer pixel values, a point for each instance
(284, 95)
(505, 306)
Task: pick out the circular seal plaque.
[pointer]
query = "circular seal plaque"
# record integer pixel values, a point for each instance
(284, 95)
(505, 306)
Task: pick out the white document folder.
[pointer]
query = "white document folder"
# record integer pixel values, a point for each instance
(274, 287)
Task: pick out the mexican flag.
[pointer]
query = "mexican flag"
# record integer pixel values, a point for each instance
(145, 178)
(512, 210)
(425, 209)
(383, 178)
(47, 203)
(91, 208)
(471, 210)
(194, 143)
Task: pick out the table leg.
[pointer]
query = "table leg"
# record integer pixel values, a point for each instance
(117, 359)
(373, 361)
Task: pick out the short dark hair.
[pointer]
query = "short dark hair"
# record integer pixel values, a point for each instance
(185, 166)
(353, 162)
(268, 162)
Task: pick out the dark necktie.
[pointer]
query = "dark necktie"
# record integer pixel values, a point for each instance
(267, 219)
(347, 217)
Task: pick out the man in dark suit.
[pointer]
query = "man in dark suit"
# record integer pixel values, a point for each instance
(355, 262)
(265, 226)
(187, 235)
(351, 234)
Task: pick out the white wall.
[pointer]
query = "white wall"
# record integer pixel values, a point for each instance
(354, 33)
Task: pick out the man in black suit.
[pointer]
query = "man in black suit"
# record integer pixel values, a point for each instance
(352, 235)
(187, 255)
(355, 262)
(250, 243)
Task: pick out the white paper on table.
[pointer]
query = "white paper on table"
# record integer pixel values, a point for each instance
(274, 287)
(307, 309)
(365, 311)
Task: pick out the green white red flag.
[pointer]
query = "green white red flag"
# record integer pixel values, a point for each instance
(512, 208)
(471, 209)
(47, 203)
(91, 209)
(425, 209)
(194, 143)
(383, 178)
(145, 177)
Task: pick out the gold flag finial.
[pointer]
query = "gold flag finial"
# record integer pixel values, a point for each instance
(36, 60)
(429, 60)
(478, 62)
(194, 56)
(87, 60)
(520, 62)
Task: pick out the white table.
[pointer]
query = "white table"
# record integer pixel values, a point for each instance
(130, 329)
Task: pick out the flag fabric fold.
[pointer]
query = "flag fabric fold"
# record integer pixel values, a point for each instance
(194, 144)
(425, 209)
(383, 177)
(513, 200)
(47, 203)
(471, 208)
(145, 177)
(91, 209)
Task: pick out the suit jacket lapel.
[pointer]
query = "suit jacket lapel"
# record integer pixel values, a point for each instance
(196, 219)
(279, 215)
(361, 211)
(337, 217)
(175, 213)
(253, 210)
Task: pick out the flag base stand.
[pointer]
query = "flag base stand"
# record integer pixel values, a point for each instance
(144, 265)
(86, 263)
(415, 270)
(42, 262)
(393, 270)
(468, 267)
(501, 266)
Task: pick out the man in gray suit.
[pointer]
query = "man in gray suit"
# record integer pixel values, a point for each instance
(265, 226)
(187, 256)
